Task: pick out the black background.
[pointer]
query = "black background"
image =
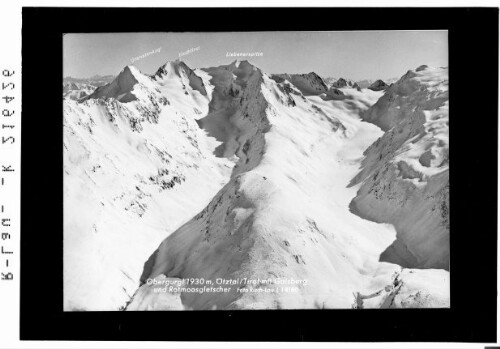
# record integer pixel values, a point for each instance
(473, 52)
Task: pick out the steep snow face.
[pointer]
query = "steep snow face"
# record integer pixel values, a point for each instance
(310, 84)
(378, 85)
(364, 83)
(405, 173)
(284, 215)
(137, 166)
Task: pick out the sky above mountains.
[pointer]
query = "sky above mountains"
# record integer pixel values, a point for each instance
(354, 55)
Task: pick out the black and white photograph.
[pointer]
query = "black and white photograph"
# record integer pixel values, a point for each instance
(256, 170)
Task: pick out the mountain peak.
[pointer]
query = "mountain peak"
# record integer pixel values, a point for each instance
(221, 177)
(378, 85)
(172, 67)
(180, 70)
(422, 67)
(310, 84)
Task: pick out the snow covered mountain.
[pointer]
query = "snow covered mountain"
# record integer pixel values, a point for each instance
(312, 84)
(341, 83)
(136, 167)
(366, 83)
(226, 174)
(76, 90)
(96, 80)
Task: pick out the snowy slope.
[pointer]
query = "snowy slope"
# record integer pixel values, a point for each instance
(284, 214)
(74, 88)
(405, 174)
(136, 167)
(342, 83)
(96, 80)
